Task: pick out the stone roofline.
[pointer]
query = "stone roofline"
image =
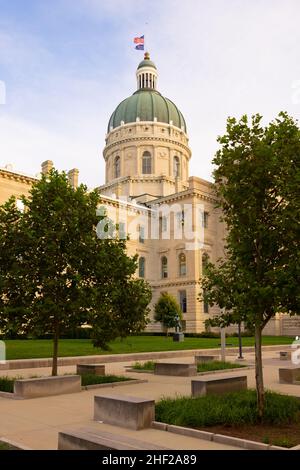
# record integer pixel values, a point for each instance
(17, 176)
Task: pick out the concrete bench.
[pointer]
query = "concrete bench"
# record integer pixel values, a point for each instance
(94, 369)
(285, 355)
(126, 411)
(212, 386)
(203, 359)
(46, 386)
(175, 369)
(289, 375)
(91, 439)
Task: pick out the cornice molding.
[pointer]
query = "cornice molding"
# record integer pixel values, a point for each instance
(117, 203)
(19, 178)
(141, 138)
(174, 284)
(183, 195)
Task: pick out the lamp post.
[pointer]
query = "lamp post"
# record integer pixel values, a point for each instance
(240, 356)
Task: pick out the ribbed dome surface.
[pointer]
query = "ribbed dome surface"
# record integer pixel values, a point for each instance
(147, 105)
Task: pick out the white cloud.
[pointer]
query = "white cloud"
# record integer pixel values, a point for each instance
(215, 59)
(26, 145)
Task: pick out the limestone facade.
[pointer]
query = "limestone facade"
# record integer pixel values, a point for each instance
(14, 184)
(170, 217)
(148, 189)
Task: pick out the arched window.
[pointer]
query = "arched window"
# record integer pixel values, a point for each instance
(164, 267)
(117, 165)
(142, 267)
(182, 264)
(205, 261)
(147, 163)
(176, 167)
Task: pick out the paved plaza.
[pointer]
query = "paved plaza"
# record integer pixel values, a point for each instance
(35, 423)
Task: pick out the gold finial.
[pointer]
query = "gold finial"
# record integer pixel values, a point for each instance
(147, 56)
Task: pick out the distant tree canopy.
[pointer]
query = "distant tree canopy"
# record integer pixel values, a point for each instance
(257, 181)
(167, 311)
(55, 273)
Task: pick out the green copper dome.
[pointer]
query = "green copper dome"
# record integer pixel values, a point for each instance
(146, 104)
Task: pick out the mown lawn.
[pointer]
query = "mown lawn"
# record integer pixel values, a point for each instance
(26, 349)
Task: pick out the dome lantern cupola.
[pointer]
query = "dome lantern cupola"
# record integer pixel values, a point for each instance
(146, 104)
(146, 153)
(146, 74)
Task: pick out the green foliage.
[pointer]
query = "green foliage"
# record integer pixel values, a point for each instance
(167, 311)
(92, 379)
(244, 334)
(7, 383)
(4, 446)
(233, 409)
(257, 180)
(257, 185)
(207, 334)
(56, 274)
(284, 442)
(218, 365)
(148, 365)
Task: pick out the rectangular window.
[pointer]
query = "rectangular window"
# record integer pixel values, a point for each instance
(164, 223)
(205, 219)
(142, 267)
(180, 219)
(182, 301)
(142, 234)
(122, 232)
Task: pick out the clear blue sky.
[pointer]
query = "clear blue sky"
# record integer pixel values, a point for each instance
(67, 64)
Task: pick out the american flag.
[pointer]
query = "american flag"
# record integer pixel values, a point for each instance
(139, 40)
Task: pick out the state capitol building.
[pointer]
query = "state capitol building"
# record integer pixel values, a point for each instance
(170, 217)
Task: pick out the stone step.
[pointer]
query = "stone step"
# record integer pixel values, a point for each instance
(89, 439)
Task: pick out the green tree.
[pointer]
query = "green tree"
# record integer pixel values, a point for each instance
(257, 180)
(12, 297)
(56, 273)
(167, 311)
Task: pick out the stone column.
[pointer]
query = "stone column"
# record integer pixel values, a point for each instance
(73, 177)
(46, 167)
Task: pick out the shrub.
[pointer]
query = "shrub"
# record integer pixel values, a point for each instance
(218, 365)
(7, 384)
(91, 379)
(244, 334)
(232, 409)
(148, 365)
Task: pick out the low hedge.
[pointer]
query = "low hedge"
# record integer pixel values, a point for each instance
(232, 409)
(91, 379)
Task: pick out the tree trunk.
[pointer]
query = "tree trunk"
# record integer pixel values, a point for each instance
(260, 392)
(55, 350)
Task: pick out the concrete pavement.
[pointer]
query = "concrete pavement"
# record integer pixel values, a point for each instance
(35, 423)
